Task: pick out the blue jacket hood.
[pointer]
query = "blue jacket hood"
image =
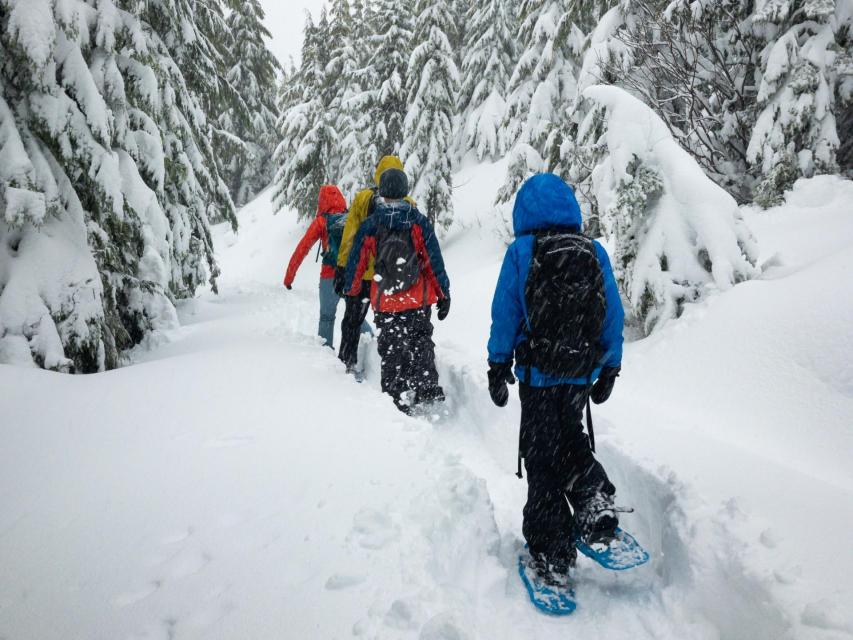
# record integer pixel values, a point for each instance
(543, 202)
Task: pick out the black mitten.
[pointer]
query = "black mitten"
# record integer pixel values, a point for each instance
(340, 274)
(500, 374)
(603, 387)
(443, 307)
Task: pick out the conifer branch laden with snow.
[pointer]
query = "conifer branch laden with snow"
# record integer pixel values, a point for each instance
(676, 235)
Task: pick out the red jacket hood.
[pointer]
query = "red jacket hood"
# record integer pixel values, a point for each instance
(331, 200)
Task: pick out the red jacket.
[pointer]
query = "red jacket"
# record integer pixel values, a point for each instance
(331, 201)
(433, 283)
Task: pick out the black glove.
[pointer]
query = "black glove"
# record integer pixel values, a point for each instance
(603, 387)
(340, 275)
(443, 306)
(288, 287)
(500, 374)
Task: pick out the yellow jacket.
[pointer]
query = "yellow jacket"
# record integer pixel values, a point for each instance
(359, 210)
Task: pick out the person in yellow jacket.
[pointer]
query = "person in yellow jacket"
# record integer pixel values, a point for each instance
(356, 306)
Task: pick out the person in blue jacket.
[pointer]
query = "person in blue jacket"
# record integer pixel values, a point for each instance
(400, 244)
(569, 493)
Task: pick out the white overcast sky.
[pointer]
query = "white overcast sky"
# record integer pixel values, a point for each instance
(285, 19)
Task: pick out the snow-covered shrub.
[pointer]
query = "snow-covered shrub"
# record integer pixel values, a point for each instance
(674, 232)
(694, 63)
(796, 134)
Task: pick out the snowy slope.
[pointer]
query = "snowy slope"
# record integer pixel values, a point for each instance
(235, 483)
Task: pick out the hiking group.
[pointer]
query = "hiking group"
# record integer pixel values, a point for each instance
(557, 325)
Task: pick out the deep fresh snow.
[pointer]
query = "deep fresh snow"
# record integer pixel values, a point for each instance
(236, 483)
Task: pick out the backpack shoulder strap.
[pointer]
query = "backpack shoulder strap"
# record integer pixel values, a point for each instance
(371, 207)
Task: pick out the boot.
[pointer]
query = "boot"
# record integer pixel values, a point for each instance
(555, 572)
(596, 519)
(424, 396)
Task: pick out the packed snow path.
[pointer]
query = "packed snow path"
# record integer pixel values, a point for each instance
(236, 483)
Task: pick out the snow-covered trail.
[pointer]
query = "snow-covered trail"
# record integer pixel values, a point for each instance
(239, 484)
(236, 483)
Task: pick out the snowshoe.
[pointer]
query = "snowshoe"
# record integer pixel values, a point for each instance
(617, 553)
(550, 588)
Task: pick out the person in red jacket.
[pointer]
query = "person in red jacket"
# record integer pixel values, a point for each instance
(327, 228)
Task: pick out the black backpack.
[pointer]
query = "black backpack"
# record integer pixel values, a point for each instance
(566, 307)
(397, 264)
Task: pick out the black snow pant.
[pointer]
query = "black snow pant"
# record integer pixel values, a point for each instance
(405, 345)
(354, 314)
(561, 468)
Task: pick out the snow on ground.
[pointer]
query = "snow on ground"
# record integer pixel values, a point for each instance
(236, 483)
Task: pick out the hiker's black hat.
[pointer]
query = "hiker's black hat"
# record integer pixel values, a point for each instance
(393, 184)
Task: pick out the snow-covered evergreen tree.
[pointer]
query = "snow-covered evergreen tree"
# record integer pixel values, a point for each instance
(360, 148)
(308, 134)
(433, 84)
(195, 35)
(458, 30)
(344, 80)
(844, 90)
(289, 91)
(388, 64)
(107, 183)
(796, 132)
(489, 48)
(675, 233)
(541, 88)
(543, 79)
(247, 130)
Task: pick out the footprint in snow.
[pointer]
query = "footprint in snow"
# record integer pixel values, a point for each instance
(442, 627)
(177, 536)
(227, 442)
(137, 595)
(402, 615)
(187, 563)
(341, 581)
(373, 529)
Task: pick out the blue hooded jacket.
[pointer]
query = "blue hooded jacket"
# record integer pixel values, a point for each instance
(545, 202)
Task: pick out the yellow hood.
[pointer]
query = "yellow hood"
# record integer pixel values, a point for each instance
(388, 162)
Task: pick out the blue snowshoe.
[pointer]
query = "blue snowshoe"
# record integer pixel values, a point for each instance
(551, 593)
(618, 552)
